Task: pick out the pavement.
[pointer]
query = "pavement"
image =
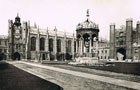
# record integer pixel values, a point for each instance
(118, 82)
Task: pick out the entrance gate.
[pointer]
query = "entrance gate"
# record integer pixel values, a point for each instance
(121, 54)
(16, 56)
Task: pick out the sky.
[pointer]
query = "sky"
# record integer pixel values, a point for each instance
(66, 14)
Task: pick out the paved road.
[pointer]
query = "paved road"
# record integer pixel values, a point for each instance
(114, 81)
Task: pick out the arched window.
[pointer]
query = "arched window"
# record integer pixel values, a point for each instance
(121, 34)
(86, 40)
(42, 44)
(33, 43)
(58, 45)
(74, 46)
(86, 37)
(69, 46)
(94, 37)
(78, 37)
(51, 45)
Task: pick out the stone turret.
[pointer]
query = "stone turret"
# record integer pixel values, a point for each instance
(129, 29)
(112, 41)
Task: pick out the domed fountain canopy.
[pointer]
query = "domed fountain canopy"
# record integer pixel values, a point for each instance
(87, 24)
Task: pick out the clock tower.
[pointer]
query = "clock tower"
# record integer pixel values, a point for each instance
(16, 43)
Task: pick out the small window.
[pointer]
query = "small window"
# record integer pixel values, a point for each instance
(105, 51)
(16, 46)
(19, 46)
(23, 46)
(102, 51)
(101, 57)
(121, 34)
(6, 43)
(136, 50)
(105, 57)
(0, 50)
(5, 51)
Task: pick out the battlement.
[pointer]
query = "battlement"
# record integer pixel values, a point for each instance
(112, 24)
(129, 19)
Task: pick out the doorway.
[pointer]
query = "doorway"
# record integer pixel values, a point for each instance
(16, 56)
(121, 54)
(43, 56)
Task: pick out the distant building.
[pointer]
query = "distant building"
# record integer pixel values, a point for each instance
(3, 47)
(103, 50)
(125, 41)
(34, 43)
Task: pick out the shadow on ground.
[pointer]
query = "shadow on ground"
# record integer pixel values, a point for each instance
(12, 78)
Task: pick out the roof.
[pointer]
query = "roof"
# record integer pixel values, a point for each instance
(87, 24)
(3, 37)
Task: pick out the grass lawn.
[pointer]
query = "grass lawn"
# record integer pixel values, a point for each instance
(94, 70)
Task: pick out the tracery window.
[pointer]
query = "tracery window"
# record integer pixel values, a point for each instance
(50, 45)
(33, 43)
(42, 44)
(58, 45)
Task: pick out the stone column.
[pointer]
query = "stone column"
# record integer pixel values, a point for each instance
(55, 45)
(38, 44)
(129, 29)
(138, 34)
(81, 49)
(27, 44)
(84, 49)
(77, 47)
(97, 48)
(47, 44)
(64, 47)
(138, 30)
(112, 42)
(90, 46)
(41, 56)
(139, 54)
(73, 48)
(82, 45)
(10, 37)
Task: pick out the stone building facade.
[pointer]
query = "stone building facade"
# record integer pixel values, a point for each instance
(103, 50)
(34, 43)
(3, 47)
(125, 41)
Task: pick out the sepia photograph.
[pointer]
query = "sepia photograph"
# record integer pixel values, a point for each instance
(70, 45)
